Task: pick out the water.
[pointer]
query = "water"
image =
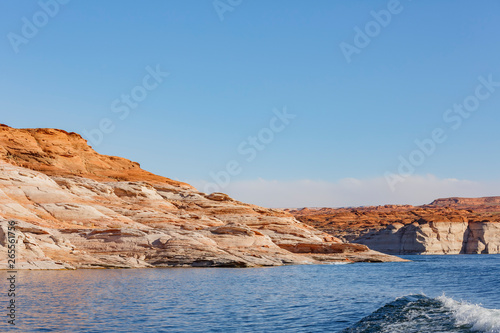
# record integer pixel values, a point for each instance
(430, 294)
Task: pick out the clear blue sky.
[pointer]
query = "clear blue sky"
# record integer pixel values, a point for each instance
(353, 119)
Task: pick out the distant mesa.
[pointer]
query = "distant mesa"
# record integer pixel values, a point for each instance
(445, 226)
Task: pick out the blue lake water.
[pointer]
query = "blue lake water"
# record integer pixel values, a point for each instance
(429, 294)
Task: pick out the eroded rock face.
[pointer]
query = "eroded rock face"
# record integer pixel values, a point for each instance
(446, 226)
(75, 208)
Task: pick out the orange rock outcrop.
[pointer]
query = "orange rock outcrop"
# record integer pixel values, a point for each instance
(59, 153)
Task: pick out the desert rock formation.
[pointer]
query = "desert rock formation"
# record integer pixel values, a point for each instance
(446, 226)
(75, 208)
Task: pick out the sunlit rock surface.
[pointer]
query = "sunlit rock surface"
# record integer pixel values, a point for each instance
(75, 208)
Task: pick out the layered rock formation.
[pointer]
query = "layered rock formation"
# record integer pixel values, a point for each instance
(485, 204)
(446, 226)
(75, 208)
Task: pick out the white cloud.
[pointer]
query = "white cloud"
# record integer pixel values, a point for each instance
(415, 190)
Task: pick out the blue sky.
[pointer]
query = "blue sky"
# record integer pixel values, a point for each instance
(353, 119)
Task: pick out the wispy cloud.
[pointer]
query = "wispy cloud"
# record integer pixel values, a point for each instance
(416, 190)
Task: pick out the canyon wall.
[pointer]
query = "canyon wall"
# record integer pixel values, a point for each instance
(446, 226)
(433, 238)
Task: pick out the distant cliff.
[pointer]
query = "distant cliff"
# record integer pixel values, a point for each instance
(485, 204)
(446, 226)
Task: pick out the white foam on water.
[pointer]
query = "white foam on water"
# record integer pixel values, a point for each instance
(481, 319)
(338, 263)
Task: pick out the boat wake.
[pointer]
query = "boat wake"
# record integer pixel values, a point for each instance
(419, 313)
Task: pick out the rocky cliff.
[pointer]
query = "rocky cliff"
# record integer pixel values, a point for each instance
(75, 208)
(446, 226)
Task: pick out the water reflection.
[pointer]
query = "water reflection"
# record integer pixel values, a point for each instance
(281, 299)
